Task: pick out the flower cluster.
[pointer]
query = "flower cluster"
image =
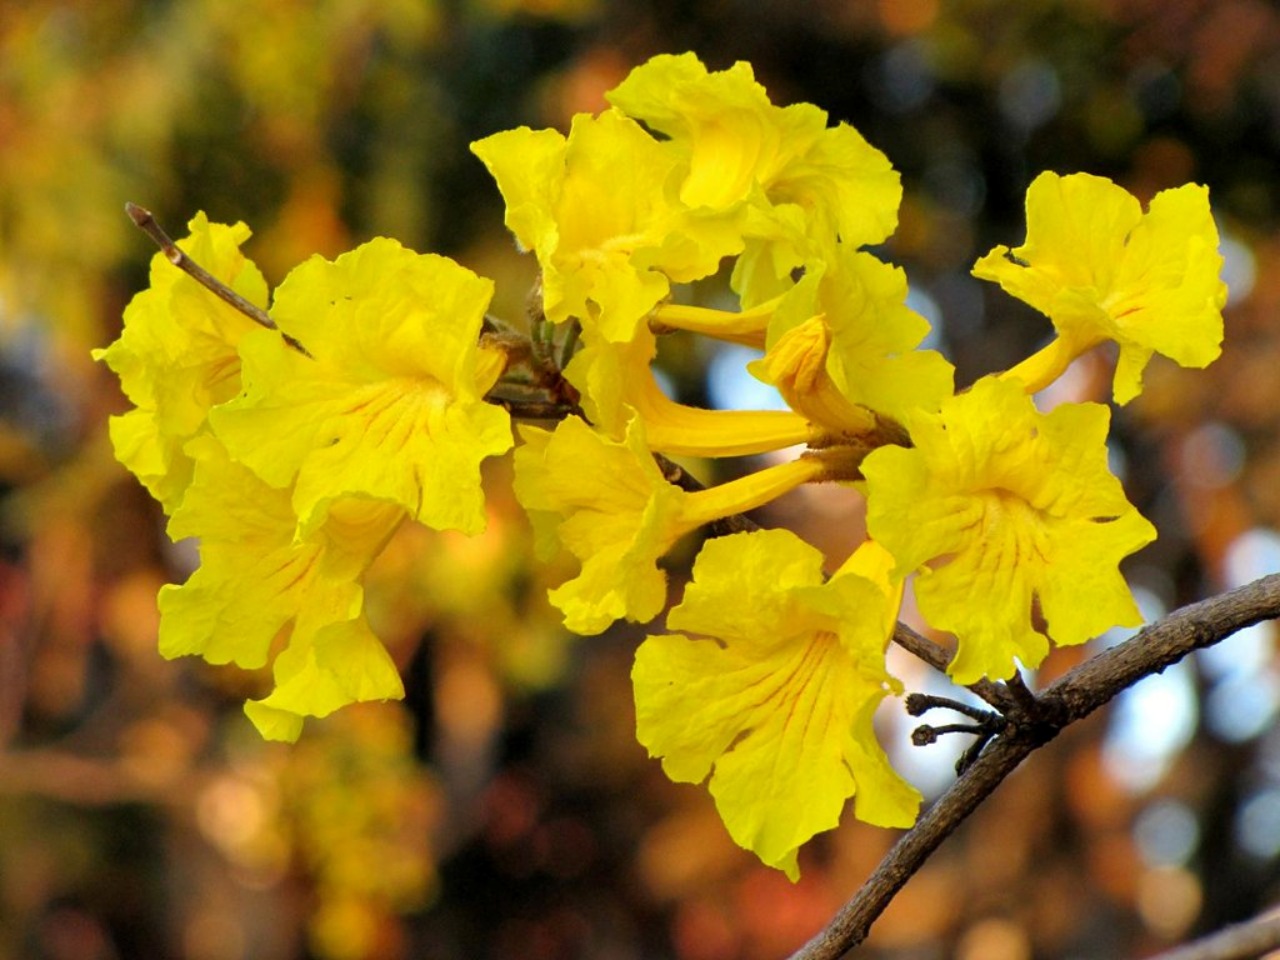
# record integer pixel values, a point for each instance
(294, 458)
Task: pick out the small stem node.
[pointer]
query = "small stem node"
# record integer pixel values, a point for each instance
(924, 735)
(919, 704)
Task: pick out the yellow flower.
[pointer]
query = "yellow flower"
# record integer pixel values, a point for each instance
(257, 581)
(389, 404)
(776, 690)
(1004, 511)
(843, 341)
(797, 365)
(796, 184)
(1101, 269)
(596, 211)
(318, 673)
(616, 382)
(609, 504)
(176, 357)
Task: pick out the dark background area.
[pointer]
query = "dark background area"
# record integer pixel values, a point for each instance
(505, 809)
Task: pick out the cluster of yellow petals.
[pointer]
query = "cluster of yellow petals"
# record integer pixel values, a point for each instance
(257, 577)
(1009, 517)
(617, 217)
(794, 184)
(294, 467)
(176, 356)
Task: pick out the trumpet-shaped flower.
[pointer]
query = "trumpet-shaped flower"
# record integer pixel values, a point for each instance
(616, 382)
(390, 402)
(609, 504)
(843, 340)
(1101, 269)
(1004, 511)
(256, 579)
(176, 357)
(797, 365)
(773, 687)
(796, 183)
(596, 211)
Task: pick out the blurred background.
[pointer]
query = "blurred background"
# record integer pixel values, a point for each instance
(505, 809)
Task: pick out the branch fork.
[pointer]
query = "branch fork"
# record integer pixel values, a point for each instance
(1033, 723)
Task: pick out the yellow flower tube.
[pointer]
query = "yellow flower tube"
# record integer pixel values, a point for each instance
(797, 365)
(609, 504)
(746, 327)
(616, 383)
(749, 492)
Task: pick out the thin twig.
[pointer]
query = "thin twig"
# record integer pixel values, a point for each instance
(1241, 941)
(918, 704)
(926, 734)
(939, 657)
(1073, 697)
(174, 254)
(921, 647)
(145, 222)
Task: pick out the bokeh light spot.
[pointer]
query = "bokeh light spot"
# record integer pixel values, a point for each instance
(1166, 833)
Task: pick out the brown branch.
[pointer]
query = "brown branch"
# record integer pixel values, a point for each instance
(1073, 697)
(938, 657)
(1241, 941)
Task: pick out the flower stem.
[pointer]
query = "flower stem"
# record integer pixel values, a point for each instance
(747, 327)
(747, 493)
(1046, 364)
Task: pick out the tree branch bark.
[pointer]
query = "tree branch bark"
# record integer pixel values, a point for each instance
(1031, 725)
(1240, 941)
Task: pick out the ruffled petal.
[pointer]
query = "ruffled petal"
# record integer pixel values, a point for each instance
(1002, 509)
(1101, 269)
(343, 663)
(176, 356)
(776, 706)
(389, 404)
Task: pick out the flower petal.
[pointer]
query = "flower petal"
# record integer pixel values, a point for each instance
(776, 707)
(1001, 508)
(389, 403)
(343, 663)
(1101, 269)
